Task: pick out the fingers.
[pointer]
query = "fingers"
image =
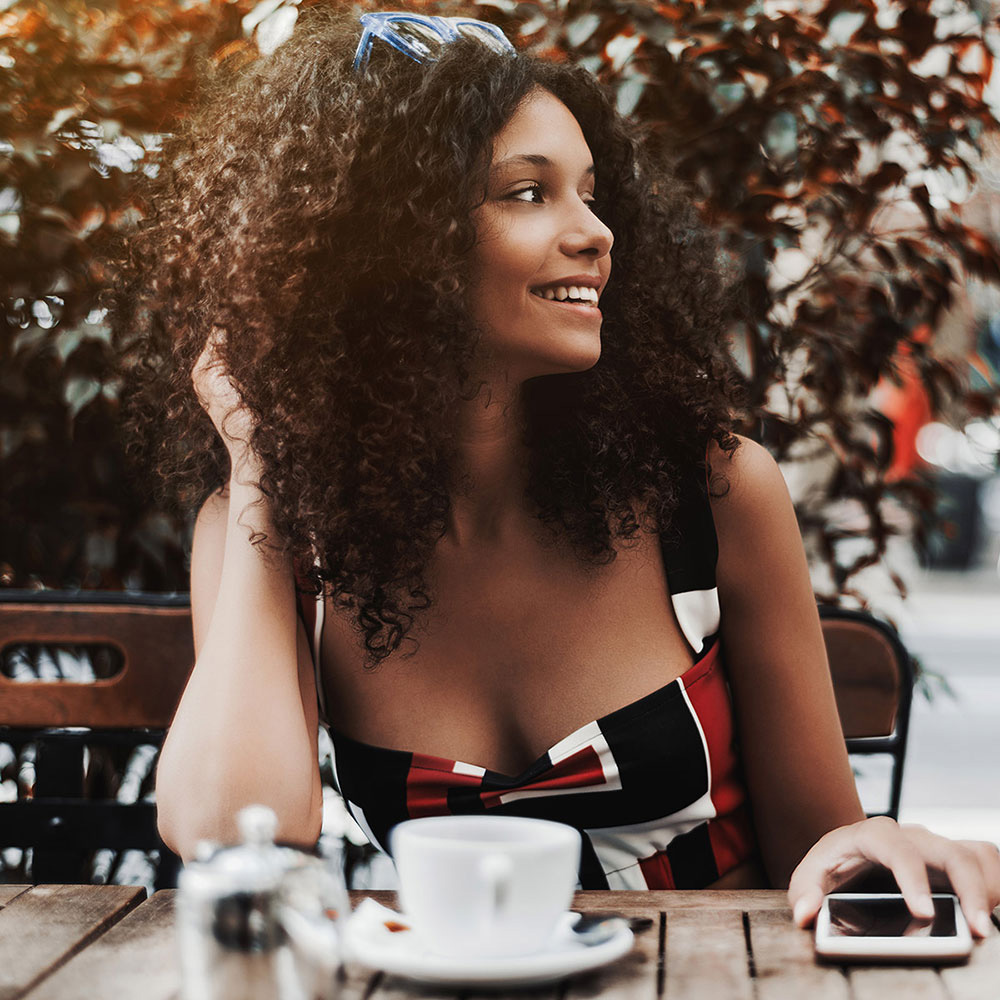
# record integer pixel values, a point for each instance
(886, 843)
(911, 854)
(973, 870)
(830, 863)
(989, 859)
(805, 906)
(840, 856)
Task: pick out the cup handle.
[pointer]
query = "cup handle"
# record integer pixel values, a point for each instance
(496, 871)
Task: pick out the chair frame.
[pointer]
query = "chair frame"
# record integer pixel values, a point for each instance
(131, 708)
(895, 743)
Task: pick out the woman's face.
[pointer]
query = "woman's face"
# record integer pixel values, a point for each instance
(539, 240)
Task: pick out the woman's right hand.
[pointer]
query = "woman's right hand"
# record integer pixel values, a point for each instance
(225, 407)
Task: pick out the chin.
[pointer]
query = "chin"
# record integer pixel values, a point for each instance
(580, 355)
(584, 358)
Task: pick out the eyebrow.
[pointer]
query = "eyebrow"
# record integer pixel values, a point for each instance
(534, 159)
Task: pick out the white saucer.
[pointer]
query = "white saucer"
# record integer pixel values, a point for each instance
(367, 940)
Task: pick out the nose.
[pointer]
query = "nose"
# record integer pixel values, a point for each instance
(587, 234)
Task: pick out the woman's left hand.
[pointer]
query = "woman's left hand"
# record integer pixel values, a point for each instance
(917, 858)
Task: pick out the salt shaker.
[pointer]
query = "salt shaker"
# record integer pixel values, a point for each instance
(253, 920)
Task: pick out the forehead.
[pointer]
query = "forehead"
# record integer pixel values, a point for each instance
(543, 125)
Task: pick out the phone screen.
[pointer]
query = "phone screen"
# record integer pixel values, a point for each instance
(889, 918)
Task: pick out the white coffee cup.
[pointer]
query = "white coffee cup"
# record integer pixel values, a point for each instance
(485, 886)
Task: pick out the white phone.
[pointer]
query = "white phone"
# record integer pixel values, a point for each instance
(873, 927)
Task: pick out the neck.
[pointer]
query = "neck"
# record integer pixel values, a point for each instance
(491, 475)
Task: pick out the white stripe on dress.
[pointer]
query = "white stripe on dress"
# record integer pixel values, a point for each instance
(359, 817)
(618, 848)
(697, 614)
(609, 768)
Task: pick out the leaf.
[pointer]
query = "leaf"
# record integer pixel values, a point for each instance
(29, 339)
(67, 340)
(629, 93)
(885, 257)
(60, 118)
(844, 25)
(621, 48)
(276, 29)
(781, 135)
(78, 392)
(581, 28)
(262, 11)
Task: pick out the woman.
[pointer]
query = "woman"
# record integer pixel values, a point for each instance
(471, 489)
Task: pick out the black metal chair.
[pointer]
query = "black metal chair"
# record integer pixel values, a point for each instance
(139, 651)
(873, 683)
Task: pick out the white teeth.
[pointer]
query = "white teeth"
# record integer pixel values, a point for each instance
(563, 292)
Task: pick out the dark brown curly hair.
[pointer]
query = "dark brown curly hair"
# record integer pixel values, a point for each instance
(321, 220)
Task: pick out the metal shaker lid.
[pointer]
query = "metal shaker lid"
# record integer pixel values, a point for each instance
(240, 885)
(255, 865)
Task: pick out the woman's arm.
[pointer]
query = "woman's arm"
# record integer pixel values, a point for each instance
(245, 730)
(797, 769)
(813, 833)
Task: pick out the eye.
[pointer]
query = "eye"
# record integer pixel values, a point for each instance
(531, 189)
(538, 189)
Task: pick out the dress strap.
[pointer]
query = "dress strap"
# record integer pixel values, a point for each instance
(690, 549)
(312, 612)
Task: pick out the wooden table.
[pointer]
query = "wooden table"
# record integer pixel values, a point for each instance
(93, 942)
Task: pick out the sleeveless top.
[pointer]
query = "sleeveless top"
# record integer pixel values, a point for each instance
(655, 788)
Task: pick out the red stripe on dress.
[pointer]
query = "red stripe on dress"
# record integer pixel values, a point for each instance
(711, 704)
(581, 769)
(427, 785)
(657, 872)
(730, 832)
(732, 839)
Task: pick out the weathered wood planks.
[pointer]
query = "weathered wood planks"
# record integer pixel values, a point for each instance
(96, 942)
(43, 928)
(137, 958)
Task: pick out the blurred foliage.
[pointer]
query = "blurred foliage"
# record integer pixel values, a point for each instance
(831, 143)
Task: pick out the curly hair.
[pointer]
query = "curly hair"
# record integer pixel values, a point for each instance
(321, 220)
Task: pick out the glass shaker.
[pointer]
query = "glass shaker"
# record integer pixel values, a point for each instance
(258, 921)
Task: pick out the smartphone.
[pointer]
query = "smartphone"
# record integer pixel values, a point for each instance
(873, 927)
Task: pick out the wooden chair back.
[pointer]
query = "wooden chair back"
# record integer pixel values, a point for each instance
(152, 634)
(873, 684)
(61, 820)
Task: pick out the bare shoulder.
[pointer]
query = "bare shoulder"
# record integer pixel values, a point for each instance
(751, 480)
(754, 518)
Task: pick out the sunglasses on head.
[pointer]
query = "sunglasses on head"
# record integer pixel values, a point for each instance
(421, 37)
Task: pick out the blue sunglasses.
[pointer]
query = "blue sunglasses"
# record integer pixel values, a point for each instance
(422, 36)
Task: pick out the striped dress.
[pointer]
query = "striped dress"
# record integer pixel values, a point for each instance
(655, 788)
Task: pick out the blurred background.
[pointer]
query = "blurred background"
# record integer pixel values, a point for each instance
(848, 151)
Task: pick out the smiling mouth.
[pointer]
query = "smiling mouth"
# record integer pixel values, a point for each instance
(585, 306)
